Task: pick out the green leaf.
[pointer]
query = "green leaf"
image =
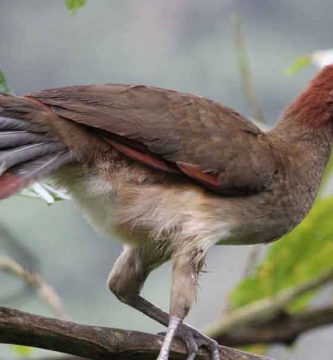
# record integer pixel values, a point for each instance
(3, 83)
(302, 255)
(23, 351)
(300, 63)
(74, 5)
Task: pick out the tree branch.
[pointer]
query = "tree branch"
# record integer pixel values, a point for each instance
(93, 342)
(35, 281)
(284, 328)
(265, 309)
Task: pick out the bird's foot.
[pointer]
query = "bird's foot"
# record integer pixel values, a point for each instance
(194, 339)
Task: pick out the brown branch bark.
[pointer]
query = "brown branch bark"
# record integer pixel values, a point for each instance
(93, 342)
(284, 328)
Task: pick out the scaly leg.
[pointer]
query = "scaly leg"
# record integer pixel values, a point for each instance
(185, 272)
(127, 278)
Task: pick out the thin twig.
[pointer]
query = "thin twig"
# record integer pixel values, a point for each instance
(23, 256)
(245, 71)
(251, 97)
(265, 309)
(35, 281)
(252, 260)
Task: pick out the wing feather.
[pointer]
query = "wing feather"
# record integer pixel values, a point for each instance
(204, 140)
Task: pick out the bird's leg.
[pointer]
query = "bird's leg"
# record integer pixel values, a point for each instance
(185, 272)
(126, 280)
(183, 293)
(128, 276)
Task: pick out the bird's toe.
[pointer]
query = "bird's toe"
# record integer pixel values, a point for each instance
(194, 340)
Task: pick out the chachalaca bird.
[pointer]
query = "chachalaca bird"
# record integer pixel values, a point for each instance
(172, 173)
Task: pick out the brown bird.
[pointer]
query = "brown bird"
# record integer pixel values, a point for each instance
(172, 173)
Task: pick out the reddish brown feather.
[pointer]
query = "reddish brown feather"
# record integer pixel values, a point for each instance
(145, 158)
(195, 173)
(314, 106)
(149, 159)
(11, 184)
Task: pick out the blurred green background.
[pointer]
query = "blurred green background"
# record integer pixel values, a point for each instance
(181, 44)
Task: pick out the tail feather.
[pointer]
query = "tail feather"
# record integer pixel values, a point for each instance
(10, 184)
(7, 123)
(43, 165)
(12, 138)
(15, 110)
(23, 175)
(27, 153)
(21, 154)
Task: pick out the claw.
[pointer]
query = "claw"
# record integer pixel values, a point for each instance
(191, 357)
(192, 336)
(193, 340)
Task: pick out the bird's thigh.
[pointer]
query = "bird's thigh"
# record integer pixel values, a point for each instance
(132, 268)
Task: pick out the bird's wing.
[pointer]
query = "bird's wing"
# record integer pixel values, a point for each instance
(172, 131)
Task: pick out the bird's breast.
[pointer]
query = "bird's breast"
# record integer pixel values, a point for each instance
(269, 215)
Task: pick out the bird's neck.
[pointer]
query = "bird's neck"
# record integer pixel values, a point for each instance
(308, 121)
(301, 131)
(305, 134)
(313, 108)
(306, 145)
